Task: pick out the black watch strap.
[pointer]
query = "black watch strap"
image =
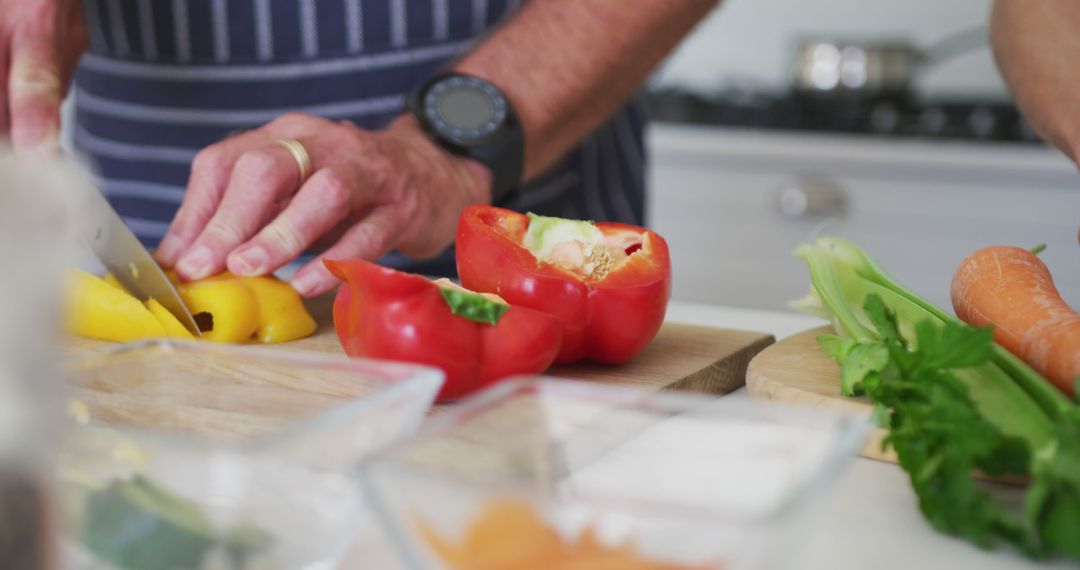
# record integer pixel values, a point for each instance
(505, 158)
(502, 151)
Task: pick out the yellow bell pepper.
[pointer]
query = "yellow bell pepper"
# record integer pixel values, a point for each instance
(99, 310)
(112, 280)
(282, 315)
(227, 308)
(172, 325)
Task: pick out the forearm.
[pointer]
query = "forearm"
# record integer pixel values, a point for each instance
(566, 65)
(1037, 47)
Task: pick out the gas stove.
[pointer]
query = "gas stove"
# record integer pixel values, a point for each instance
(968, 119)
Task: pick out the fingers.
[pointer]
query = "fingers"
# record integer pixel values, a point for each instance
(324, 201)
(210, 174)
(333, 236)
(35, 90)
(369, 239)
(260, 178)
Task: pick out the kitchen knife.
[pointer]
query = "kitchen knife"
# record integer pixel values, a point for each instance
(126, 258)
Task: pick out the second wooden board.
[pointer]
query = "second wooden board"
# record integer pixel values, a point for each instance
(795, 371)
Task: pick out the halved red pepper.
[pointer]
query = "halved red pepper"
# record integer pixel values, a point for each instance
(608, 283)
(383, 313)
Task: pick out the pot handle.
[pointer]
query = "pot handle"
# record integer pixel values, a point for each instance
(954, 44)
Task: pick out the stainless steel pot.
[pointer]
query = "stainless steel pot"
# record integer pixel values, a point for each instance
(832, 66)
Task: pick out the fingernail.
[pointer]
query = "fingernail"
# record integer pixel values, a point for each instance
(307, 283)
(248, 261)
(168, 250)
(196, 264)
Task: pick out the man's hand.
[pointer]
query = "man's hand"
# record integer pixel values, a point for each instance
(41, 42)
(369, 192)
(372, 192)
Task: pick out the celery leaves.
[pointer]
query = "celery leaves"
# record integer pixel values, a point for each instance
(941, 438)
(954, 402)
(1053, 502)
(933, 424)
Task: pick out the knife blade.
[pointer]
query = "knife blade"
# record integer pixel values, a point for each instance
(125, 257)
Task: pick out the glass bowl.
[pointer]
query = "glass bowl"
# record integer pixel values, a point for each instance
(197, 456)
(682, 480)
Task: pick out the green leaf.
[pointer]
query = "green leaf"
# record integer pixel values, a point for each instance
(835, 347)
(1061, 526)
(1053, 499)
(1060, 460)
(1011, 456)
(937, 430)
(863, 360)
(473, 306)
(884, 320)
(953, 345)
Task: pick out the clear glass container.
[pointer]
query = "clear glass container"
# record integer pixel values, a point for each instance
(201, 456)
(39, 218)
(686, 480)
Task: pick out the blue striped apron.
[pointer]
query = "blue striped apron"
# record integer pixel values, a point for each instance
(165, 78)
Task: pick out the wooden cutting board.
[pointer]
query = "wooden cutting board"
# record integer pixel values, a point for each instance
(795, 371)
(682, 357)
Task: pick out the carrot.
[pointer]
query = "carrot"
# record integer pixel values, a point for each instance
(1011, 289)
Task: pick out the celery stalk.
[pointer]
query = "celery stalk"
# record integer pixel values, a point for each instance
(843, 277)
(1049, 398)
(953, 402)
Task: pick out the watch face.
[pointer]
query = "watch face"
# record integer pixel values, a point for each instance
(465, 109)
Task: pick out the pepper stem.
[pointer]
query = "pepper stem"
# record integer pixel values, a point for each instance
(473, 306)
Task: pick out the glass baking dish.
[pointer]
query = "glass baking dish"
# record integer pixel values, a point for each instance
(680, 479)
(198, 456)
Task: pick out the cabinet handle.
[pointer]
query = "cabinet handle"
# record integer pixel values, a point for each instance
(807, 198)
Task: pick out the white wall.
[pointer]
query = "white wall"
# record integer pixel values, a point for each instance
(751, 41)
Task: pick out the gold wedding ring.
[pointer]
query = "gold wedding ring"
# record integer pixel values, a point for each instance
(300, 155)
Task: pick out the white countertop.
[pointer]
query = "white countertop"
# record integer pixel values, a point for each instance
(869, 520)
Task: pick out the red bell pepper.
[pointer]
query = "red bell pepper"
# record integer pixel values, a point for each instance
(383, 313)
(608, 283)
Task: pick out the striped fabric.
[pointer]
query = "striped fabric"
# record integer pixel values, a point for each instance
(165, 78)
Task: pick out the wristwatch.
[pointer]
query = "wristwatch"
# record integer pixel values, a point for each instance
(471, 117)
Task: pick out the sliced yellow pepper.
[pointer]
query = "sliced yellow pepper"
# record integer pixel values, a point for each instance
(224, 309)
(227, 308)
(282, 316)
(99, 310)
(172, 325)
(112, 280)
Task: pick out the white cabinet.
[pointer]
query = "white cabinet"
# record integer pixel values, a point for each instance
(918, 206)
